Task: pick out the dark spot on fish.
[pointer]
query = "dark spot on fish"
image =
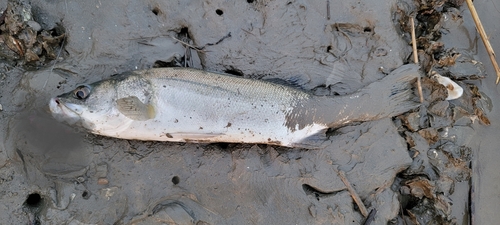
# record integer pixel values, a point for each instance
(228, 125)
(201, 128)
(219, 12)
(164, 86)
(176, 121)
(168, 135)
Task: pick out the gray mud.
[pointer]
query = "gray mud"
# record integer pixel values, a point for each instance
(54, 174)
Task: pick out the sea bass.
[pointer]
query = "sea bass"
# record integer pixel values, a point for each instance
(189, 105)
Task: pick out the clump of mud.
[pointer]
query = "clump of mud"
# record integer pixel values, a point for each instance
(22, 39)
(438, 133)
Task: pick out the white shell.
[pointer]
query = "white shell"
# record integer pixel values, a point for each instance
(454, 90)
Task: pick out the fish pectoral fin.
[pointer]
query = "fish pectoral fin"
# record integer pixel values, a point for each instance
(134, 109)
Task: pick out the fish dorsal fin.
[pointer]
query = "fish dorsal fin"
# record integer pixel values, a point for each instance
(134, 109)
(293, 82)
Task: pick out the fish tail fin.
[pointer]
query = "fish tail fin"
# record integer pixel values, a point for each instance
(388, 97)
(393, 94)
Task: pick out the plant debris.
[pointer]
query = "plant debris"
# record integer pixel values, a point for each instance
(23, 40)
(437, 133)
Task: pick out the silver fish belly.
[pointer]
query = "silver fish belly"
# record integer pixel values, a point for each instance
(188, 105)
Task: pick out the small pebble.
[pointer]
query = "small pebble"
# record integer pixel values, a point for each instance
(34, 25)
(1, 107)
(102, 181)
(80, 179)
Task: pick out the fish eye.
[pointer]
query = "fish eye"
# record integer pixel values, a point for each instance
(81, 92)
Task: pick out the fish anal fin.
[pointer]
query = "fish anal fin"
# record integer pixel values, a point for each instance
(134, 109)
(196, 137)
(316, 141)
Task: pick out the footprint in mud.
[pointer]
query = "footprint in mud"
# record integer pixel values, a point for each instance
(53, 148)
(179, 209)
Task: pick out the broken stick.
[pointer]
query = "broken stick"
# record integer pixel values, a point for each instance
(484, 37)
(353, 193)
(328, 9)
(415, 58)
(187, 44)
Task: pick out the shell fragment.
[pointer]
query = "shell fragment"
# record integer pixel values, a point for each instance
(454, 90)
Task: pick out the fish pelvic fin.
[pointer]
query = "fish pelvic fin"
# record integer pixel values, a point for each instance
(134, 109)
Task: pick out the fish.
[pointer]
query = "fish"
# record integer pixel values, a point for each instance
(190, 105)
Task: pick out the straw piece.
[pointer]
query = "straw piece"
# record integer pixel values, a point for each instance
(484, 37)
(415, 58)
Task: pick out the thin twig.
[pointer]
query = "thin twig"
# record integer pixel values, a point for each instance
(414, 40)
(353, 193)
(484, 37)
(328, 9)
(54, 64)
(371, 217)
(248, 32)
(415, 58)
(187, 54)
(187, 44)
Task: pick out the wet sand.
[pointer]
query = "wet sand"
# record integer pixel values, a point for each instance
(486, 179)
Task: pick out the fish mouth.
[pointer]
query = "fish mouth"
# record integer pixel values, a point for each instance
(65, 112)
